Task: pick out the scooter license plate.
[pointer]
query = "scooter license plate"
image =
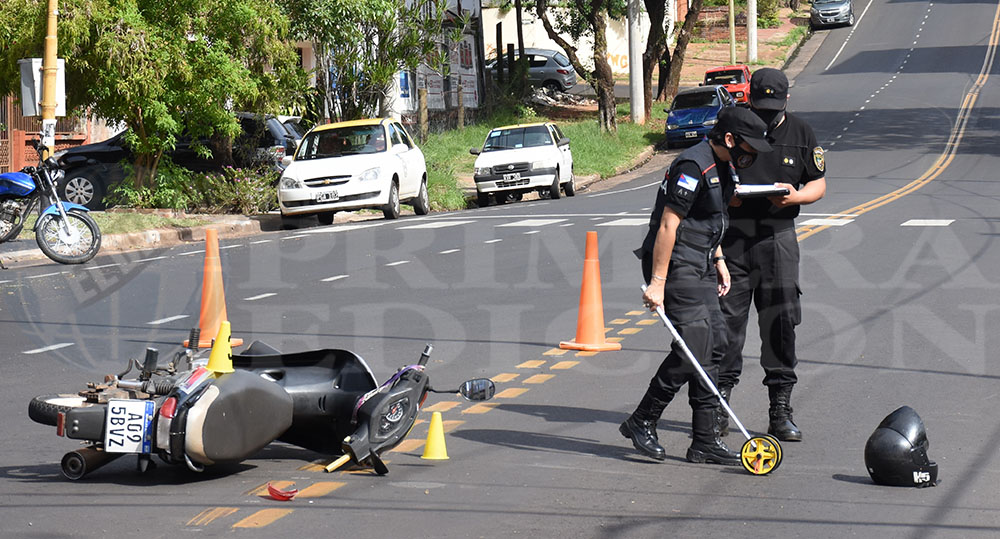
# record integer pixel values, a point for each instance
(329, 196)
(128, 426)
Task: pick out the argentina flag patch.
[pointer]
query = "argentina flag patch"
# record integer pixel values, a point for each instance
(687, 182)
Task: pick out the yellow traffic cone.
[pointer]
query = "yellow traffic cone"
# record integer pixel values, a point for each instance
(220, 361)
(434, 449)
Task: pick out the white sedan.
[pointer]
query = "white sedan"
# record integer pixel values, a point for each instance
(353, 165)
(516, 159)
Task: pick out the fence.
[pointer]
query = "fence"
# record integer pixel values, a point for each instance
(18, 135)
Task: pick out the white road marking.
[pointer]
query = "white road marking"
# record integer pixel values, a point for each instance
(192, 252)
(259, 242)
(928, 222)
(493, 241)
(399, 263)
(300, 236)
(827, 222)
(435, 224)
(533, 222)
(623, 190)
(149, 259)
(49, 348)
(803, 214)
(44, 275)
(856, 22)
(2, 282)
(566, 224)
(224, 247)
(449, 251)
(260, 296)
(101, 267)
(532, 232)
(334, 278)
(344, 228)
(165, 320)
(625, 222)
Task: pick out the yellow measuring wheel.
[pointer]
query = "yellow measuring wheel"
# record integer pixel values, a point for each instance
(761, 455)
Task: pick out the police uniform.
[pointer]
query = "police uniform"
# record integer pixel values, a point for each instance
(762, 254)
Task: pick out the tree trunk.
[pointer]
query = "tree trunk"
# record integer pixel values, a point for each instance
(603, 75)
(677, 60)
(656, 44)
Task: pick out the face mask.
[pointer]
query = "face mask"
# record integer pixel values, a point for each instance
(741, 158)
(771, 117)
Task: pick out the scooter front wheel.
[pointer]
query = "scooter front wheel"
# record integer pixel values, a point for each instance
(74, 241)
(761, 455)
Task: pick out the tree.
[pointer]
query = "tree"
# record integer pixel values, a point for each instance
(677, 59)
(361, 45)
(159, 68)
(588, 18)
(656, 50)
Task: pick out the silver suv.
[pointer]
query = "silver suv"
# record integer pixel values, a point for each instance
(831, 13)
(546, 68)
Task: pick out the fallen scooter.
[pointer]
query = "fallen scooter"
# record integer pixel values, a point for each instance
(194, 413)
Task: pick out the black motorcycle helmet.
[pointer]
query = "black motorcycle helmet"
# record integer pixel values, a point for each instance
(896, 453)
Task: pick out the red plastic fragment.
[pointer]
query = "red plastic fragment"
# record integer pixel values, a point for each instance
(281, 495)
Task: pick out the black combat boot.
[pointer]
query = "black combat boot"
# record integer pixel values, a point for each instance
(640, 427)
(721, 416)
(706, 446)
(780, 414)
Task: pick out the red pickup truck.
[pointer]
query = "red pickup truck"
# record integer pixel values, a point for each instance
(736, 79)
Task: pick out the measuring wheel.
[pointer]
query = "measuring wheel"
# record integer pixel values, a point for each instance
(761, 455)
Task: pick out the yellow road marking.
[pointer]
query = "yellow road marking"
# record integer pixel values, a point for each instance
(442, 406)
(620, 321)
(210, 514)
(263, 518)
(505, 377)
(319, 489)
(634, 313)
(585, 354)
(314, 467)
(629, 331)
(539, 378)
(408, 445)
(480, 408)
(613, 339)
(647, 322)
(511, 392)
(533, 364)
(565, 365)
(555, 352)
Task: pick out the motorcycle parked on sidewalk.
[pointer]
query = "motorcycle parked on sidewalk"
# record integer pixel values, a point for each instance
(63, 230)
(323, 400)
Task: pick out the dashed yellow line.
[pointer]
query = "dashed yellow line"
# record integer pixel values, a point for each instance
(647, 322)
(539, 378)
(505, 377)
(319, 489)
(634, 313)
(585, 353)
(262, 518)
(562, 365)
(620, 321)
(533, 364)
(262, 489)
(613, 339)
(555, 352)
(442, 406)
(511, 392)
(480, 408)
(211, 514)
(629, 331)
(314, 467)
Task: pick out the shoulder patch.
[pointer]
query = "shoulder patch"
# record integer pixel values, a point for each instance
(819, 159)
(687, 182)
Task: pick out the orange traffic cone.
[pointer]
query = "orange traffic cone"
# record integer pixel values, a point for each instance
(213, 299)
(590, 320)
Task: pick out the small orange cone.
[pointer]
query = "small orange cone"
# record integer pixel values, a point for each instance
(590, 320)
(435, 449)
(213, 299)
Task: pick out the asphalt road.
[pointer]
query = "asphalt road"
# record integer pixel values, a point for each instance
(899, 305)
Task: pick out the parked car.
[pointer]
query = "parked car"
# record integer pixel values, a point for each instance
(91, 169)
(694, 112)
(546, 68)
(517, 159)
(736, 79)
(831, 13)
(294, 126)
(353, 165)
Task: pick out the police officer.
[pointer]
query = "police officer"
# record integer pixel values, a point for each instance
(686, 272)
(763, 253)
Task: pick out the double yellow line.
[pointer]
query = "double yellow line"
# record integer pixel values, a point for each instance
(946, 157)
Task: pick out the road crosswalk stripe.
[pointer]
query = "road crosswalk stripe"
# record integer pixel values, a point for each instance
(532, 223)
(434, 224)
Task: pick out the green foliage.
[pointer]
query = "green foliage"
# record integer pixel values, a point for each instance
(767, 13)
(161, 68)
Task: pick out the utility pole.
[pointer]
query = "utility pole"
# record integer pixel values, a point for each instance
(751, 31)
(638, 105)
(49, 70)
(732, 32)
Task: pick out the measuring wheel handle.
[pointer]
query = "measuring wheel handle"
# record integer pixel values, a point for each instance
(761, 455)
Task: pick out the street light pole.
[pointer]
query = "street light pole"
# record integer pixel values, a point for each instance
(636, 93)
(49, 70)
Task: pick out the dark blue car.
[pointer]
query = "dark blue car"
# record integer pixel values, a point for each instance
(694, 112)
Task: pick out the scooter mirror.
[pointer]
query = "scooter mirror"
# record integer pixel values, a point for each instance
(478, 389)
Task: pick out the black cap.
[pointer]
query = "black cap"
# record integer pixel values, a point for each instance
(745, 125)
(768, 89)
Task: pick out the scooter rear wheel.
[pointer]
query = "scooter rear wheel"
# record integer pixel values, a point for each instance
(45, 409)
(761, 455)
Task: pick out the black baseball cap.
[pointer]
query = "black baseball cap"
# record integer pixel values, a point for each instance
(768, 89)
(745, 125)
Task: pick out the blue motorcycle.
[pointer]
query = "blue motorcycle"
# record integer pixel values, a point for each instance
(63, 230)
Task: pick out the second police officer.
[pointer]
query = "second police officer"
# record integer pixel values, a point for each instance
(686, 273)
(763, 253)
